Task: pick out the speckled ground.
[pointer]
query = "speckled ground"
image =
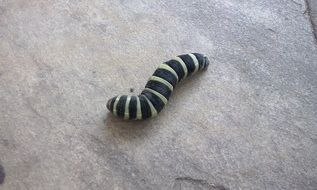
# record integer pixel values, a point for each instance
(249, 122)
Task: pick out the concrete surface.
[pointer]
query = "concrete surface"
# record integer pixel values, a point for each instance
(249, 122)
(311, 11)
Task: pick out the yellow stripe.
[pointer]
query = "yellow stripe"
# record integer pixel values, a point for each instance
(168, 68)
(195, 62)
(157, 94)
(178, 59)
(115, 105)
(126, 108)
(138, 108)
(153, 110)
(161, 80)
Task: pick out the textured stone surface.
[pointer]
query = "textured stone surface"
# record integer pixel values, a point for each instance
(249, 122)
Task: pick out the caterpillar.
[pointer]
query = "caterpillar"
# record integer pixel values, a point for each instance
(158, 89)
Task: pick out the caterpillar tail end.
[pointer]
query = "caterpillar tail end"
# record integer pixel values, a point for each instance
(108, 104)
(206, 62)
(128, 107)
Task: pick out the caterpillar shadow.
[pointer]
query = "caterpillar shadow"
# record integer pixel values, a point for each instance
(187, 86)
(128, 129)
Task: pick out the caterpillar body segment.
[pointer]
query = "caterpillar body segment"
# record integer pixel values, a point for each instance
(158, 89)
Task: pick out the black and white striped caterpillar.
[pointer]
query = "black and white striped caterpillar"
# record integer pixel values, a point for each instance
(158, 89)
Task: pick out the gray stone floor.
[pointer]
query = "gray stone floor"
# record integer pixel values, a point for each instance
(249, 122)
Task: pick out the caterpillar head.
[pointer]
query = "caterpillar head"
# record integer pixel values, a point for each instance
(202, 60)
(206, 62)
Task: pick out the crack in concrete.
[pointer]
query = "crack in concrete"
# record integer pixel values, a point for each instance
(296, 3)
(313, 25)
(38, 114)
(201, 182)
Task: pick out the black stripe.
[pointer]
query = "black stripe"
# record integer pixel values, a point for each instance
(155, 100)
(159, 87)
(165, 74)
(206, 62)
(145, 108)
(132, 108)
(189, 62)
(112, 103)
(177, 67)
(200, 58)
(121, 106)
